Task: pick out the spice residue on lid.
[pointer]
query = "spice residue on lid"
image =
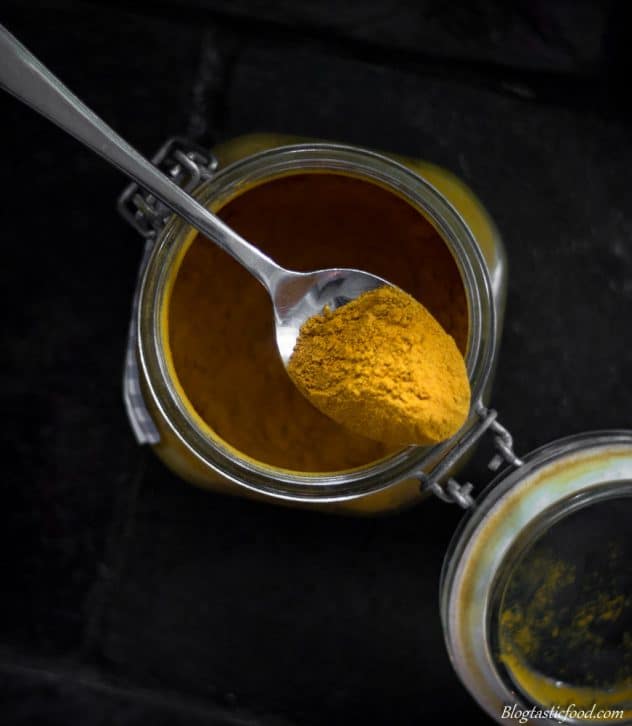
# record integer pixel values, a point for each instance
(565, 613)
(382, 366)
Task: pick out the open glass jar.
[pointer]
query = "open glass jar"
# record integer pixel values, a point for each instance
(189, 439)
(516, 586)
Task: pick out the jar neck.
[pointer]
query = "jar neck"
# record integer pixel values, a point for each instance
(264, 167)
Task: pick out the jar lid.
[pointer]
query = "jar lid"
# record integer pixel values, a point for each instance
(536, 589)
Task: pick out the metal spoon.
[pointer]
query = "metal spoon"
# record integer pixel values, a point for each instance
(296, 296)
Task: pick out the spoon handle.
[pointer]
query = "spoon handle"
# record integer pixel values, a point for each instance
(22, 75)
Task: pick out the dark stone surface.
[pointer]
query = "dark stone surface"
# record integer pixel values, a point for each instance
(60, 697)
(559, 36)
(325, 619)
(69, 272)
(132, 584)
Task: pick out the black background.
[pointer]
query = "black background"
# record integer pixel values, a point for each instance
(129, 597)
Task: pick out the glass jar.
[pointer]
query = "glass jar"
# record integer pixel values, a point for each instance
(193, 450)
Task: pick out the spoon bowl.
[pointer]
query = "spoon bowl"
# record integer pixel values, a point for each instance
(298, 296)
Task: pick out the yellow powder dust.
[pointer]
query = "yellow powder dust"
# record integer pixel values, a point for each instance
(383, 367)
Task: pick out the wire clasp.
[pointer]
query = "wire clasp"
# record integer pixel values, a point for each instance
(185, 164)
(451, 490)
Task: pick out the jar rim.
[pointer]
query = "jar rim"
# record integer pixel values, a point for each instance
(264, 167)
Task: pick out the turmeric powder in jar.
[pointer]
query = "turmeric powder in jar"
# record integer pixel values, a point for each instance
(222, 347)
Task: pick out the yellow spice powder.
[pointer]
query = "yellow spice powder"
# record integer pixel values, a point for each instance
(383, 367)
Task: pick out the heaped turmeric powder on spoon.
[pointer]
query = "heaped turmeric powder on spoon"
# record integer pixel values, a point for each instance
(383, 367)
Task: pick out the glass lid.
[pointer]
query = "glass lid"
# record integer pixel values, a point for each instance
(536, 591)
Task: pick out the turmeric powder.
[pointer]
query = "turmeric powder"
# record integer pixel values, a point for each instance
(222, 346)
(382, 366)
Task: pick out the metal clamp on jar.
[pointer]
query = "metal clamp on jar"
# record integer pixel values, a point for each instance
(536, 591)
